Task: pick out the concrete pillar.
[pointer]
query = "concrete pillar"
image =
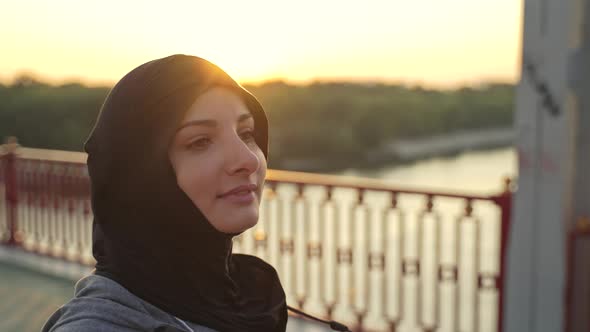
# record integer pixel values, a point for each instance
(577, 313)
(553, 139)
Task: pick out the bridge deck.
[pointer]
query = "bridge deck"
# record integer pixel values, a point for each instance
(27, 298)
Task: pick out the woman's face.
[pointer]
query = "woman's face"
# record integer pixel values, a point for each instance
(217, 162)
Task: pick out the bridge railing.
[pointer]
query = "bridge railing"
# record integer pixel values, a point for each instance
(369, 254)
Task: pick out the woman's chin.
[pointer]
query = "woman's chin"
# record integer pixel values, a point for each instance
(246, 225)
(239, 224)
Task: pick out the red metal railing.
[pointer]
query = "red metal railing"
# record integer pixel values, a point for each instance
(580, 232)
(47, 199)
(372, 255)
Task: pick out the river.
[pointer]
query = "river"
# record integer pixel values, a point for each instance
(473, 171)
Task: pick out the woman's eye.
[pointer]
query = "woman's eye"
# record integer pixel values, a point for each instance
(247, 135)
(199, 143)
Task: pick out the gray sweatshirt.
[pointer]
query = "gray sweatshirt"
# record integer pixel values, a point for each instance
(102, 305)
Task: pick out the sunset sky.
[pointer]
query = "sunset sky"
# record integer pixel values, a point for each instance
(430, 42)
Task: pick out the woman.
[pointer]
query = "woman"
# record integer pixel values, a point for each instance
(177, 161)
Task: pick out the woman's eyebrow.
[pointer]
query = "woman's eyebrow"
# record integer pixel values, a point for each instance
(212, 123)
(245, 116)
(205, 123)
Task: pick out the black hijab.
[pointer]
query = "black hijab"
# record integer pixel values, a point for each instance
(147, 234)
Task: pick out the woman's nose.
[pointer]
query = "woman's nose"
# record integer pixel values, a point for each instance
(240, 158)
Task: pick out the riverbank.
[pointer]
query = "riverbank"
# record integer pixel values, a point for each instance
(402, 152)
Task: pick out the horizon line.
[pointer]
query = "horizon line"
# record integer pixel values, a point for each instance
(435, 85)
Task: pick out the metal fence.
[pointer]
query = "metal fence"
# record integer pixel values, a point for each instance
(577, 239)
(369, 254)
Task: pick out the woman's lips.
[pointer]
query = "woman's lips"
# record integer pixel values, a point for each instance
(243, 197)
(243, 194)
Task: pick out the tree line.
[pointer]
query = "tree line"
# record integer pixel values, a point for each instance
(335, 123)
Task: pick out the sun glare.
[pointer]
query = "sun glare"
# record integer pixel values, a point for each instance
(426, 41)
